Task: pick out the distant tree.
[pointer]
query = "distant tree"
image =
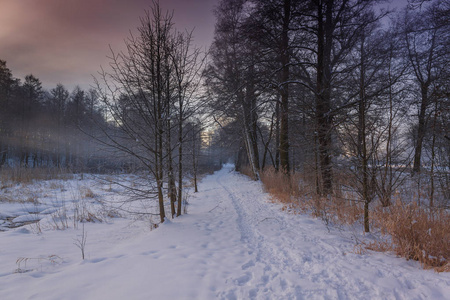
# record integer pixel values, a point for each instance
(231, 76)
(7, 86)
(40, 128)
(57, 104)
(31, 97)
(426, 38)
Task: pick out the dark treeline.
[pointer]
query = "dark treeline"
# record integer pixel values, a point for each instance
(337, 90)
(40, 128)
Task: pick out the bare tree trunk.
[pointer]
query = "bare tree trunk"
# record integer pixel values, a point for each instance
(421, 128)
(162, 214)
(180, 155)
(277, 136)
(251, 120)
(386, 187)
(254, 132)
(195, 160)
(170, 173)
(285, 58)
(160, 132)
(267, 144)
(250, 152)
(159, 175)
(323, 98)
(316, 166)
(433, 155)
(362, 141)
(248, 121)
(3, 153)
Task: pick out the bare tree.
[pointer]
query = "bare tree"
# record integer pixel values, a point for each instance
(187, 63)
(367, 129)
(393, 158)
(426, 39)
(279, 38)
(147, 96)
(135, 96)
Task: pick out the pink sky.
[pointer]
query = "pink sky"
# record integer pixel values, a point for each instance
(66, 41)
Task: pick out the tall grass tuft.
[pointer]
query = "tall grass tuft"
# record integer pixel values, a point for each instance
(283, 187)
(417, 233)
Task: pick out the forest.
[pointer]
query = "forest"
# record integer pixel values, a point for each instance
(344, 104)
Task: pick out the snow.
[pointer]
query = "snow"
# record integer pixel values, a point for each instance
(234, 243)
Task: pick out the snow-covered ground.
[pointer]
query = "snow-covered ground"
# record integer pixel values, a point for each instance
(233, 244)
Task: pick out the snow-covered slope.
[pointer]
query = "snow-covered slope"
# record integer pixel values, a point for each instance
(233, 244)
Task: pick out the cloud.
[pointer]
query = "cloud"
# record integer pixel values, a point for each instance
(68, 40)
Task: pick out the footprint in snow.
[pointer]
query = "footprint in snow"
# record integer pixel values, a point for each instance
(149, 252)
(97, 260)
(248, 265)
(244, 279)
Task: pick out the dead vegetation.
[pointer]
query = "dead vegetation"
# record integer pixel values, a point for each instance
(417, 232)
(410, 230)
(10, 176)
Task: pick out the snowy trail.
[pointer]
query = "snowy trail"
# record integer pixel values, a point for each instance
(295, 257)
(233, 244)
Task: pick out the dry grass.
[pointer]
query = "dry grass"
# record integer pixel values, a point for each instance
(22, 262)
(247, 171)
(86, 192)
(56, 186)
(27, 175)
(7, 199)
(417, 233)
(32, 198)
(284, 188)
(290, 191)
(410, 230)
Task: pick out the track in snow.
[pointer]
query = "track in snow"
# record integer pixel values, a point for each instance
(234, 244)
(295, 257)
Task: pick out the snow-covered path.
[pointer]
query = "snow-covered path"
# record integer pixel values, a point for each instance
(295, 257)
(233, 244)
